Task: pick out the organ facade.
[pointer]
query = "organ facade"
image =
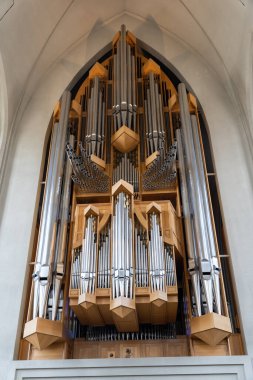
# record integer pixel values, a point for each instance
(130, 257)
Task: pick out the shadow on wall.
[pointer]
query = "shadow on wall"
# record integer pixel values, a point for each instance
(90, 45)
(152, 29)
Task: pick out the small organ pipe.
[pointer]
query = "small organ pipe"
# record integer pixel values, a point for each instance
(125, 169)
(86, 173)
(156, 251)
(141, 256)
(89, 257)
(162, 172)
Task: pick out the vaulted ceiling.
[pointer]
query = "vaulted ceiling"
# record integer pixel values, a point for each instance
(35, 33)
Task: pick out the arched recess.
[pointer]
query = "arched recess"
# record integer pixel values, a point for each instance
(27, 151)
(3, 119)
(123, 117)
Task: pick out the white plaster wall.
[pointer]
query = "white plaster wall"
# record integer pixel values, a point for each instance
(21, 181)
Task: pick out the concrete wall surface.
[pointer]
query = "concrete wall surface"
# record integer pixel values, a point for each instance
(203, 368)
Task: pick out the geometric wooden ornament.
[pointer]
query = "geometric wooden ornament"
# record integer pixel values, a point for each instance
(151, 67)
(158, 298)
(124, 314)
(122, 186)
(42, 332)
(98, 70)
(125, 139)
(211, 328)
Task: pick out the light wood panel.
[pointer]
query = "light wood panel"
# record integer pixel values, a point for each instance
(130, 349)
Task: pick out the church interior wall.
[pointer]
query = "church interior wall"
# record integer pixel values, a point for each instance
(20, 187)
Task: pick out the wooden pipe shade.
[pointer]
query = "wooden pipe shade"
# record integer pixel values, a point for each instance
(126, 314)
(125, 140)
(41, 332)
(211, 328)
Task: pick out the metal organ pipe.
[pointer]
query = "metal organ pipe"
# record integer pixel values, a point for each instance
(96, 115)
(170, 273)
(47, 237)
(213, 253)
(156, 252)
(162, 172)
(154, 119)
(202, 242)
(125, 168)
(203, 235)
(76, 268)
(104, 258)
(89, 256)
(189, 231)
(122, 255)
(86, 173)
(61, 246)
(124, 108)
(141, 257)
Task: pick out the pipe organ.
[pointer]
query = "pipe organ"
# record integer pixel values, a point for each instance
(127, 249)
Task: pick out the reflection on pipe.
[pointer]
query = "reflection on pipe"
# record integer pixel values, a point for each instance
(202, 228)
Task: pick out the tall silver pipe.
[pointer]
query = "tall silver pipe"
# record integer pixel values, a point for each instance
(202, 241)
(102, 131)
(153, 110)
(134, 106)
(129, 83)
(45, 251)
(213, 253)
(124, 71)
(191, 248)
(103, 259)
(61, 248)
(115, 79)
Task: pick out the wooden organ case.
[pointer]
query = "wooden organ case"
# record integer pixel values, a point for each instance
(129, 259)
